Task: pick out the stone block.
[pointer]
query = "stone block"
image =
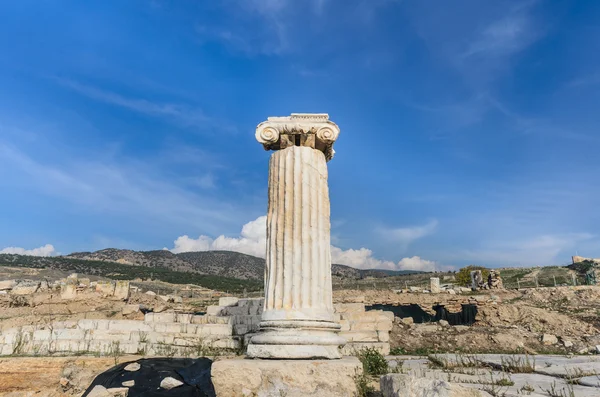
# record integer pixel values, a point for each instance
(93, 324)
(345, 324)
(25, 287)
(113, 336)
(214, 310)
(434, 285)
(383, 336)
(84, 282)
(360, 336)
(7, 284)
(67, 334)
(241, 329)
(68, 291)
(387, 315)
(291, 378)
(362, 326)
(226, 343)
(237, 310)
(215, 329)
(183, 318)
(350, 349)
(349, 307)
(105, 288)
(130, 309)
(228, 301)
(167, 327)
(128, 325)
(400, 385)
(42, 335)
(159, 317)
(121, 290)
(255, 302)
(549, 339)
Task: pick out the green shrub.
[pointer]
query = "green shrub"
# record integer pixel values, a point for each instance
(463, 277)
(373, 362)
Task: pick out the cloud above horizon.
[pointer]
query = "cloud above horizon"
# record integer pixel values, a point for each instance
(252, 241)
(45, 250)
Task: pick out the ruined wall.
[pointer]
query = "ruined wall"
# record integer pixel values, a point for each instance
(228, 325)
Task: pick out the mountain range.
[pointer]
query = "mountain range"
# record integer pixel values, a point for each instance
(216, 263)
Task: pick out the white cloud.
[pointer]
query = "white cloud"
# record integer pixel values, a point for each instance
(417, 263)
(406, 235)
(45, 250)
(360, 258)
(252, 241)
(363, 259)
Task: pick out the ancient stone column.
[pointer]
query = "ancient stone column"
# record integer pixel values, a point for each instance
(297, 319)
(434, 286)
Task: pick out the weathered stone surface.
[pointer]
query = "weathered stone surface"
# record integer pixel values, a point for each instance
(400, 385)
(118, 391)
(99, 391)
(228, 301)
(132, 367)
(130, 309)
(548, 339)
(121, 290)
(129, 383)
(7, 284)
(434, 285)
(170, 383)
(68, 291)
(105, 288)
(298, 305)
(25, 287)
(290, 378)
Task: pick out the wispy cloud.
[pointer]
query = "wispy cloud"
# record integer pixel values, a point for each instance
(404, 236)
(130, 189)
(534, 251)
(504, 37)
(183, 115)
(585, 81)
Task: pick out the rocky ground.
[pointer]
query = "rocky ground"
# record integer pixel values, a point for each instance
(563, 321)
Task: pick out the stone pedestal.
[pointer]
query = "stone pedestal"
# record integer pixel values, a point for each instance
(290, 378)
(297, 320)
(434, 285)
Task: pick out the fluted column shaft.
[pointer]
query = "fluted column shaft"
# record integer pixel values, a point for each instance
(298, 265)
(297, 320)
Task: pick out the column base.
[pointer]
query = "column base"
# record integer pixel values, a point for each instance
(293, 352)
(296, 340)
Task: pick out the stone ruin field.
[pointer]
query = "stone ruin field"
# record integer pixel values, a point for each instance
(59, 331)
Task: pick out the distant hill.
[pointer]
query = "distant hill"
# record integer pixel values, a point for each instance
(217, 263)
(98, 265)
(227, 264)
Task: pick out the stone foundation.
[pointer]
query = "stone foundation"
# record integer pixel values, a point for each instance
(227, 326)
(360, 328)
(290, 378)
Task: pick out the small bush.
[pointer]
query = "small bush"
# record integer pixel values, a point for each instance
(373, 362)
(363, 387)
(463, 277)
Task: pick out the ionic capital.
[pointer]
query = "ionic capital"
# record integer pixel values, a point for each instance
(300, 129)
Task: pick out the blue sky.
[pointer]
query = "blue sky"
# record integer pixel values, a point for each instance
(469, 129)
